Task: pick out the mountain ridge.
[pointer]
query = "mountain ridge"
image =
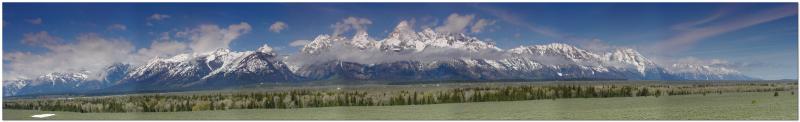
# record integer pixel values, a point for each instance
(405, 55)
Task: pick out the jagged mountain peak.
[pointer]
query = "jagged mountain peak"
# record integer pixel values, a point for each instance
(403, 29)
(629, 55)
(533, 48)
(320, 43)
(401, 40)
(361, 40)
(403, 34)
(558, 46)
(224, 67)
(557, 49)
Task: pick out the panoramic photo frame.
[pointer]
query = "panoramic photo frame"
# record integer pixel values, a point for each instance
(400, 61)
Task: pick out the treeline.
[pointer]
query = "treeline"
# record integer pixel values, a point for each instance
(319, 98)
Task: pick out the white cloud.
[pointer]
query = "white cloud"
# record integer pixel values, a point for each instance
(158, 17)
(278, 26)
(359, 24)
(90, 53)
(41, 38)
(299, 43)
(455, 23)
(207, 38)
(117, 27)
(35, 21)
(482, 23)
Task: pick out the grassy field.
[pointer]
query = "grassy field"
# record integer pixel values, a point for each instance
(726, 106)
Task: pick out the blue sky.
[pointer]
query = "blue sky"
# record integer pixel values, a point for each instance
(758, 39)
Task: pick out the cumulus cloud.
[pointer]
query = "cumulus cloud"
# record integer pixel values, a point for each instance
(206, 38)
(480, 24)
(35, 21)
(158, 17)
(299, 43)
(117, 27)
(90, 53)
(456, 23)
(350, 23)
(41, 38)
(278, 26)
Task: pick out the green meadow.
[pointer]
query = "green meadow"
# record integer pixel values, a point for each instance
(714, 106)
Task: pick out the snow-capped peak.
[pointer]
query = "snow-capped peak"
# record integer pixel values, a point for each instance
(320, 43)
(631, 57)
(403, 31)
(58, 77)
(557, 49)
(361, 40)
(15, 84)
(401, 39)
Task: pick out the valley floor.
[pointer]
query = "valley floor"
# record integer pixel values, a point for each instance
(726, 106)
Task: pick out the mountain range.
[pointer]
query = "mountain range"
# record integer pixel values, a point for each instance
(404, 56)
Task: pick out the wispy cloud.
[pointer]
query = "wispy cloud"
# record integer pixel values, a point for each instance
(35, 21)
(158, 17)
(481, 24)
(299, 43)
(152, 19)
(687, 38)
(117, 27)
(713, 17)
(515, 20)
(278, 26)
